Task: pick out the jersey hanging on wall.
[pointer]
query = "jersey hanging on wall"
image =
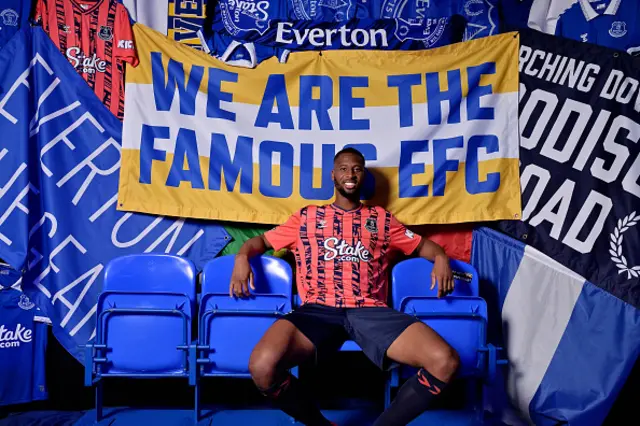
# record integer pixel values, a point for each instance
(180, 20)
(96, 38)
(23, 342)
(609, 23)
(14, 14)
(541, 15)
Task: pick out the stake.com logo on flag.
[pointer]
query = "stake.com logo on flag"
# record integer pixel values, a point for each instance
(203, 139)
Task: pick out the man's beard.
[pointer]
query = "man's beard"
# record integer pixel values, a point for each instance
(354, 196)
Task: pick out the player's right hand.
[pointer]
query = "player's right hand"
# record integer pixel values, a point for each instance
(241, 278)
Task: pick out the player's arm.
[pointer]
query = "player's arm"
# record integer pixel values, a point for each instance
(441, 272)
(283, 236)
(411, 244)
(242, 278)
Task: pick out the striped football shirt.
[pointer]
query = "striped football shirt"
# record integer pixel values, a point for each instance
(342, 257)
(96, 37)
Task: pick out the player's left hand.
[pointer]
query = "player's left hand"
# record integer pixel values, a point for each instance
(442, 275)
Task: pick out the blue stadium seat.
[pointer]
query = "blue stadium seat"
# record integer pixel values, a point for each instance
(413, 277)
(230, 327)
(144, 320)
(460, 318)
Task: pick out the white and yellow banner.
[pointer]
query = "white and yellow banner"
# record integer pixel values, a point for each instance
(439, 130)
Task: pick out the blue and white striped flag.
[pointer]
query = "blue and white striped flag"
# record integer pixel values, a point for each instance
(571, 345)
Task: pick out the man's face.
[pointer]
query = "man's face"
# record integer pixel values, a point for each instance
(348, 175)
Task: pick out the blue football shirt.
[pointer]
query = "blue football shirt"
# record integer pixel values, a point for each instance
(23, 342)
(480, 18)
(14, 14)
(609, 23)
(541, 15)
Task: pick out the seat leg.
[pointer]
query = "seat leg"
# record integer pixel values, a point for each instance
(99, 395)
(197, 401)
(387, 393)
(475, 398)
(480, 401)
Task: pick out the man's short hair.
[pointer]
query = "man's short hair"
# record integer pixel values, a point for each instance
(349, 151)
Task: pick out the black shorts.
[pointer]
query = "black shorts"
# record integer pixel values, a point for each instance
(373, 329)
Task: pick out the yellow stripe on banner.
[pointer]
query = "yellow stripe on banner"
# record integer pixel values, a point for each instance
(256, 208)
(376, 65)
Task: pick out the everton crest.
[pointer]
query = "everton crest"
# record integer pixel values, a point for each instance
(9, 17)
(618, 29)
(371, 225)
(105, 33)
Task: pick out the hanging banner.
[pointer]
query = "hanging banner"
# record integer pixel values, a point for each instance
(203, 139)
(59, 162)
(580, 154)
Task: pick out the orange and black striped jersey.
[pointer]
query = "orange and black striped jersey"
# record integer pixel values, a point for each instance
(342, 257)
(96, 37)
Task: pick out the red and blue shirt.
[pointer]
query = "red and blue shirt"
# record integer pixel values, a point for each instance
(342, 257)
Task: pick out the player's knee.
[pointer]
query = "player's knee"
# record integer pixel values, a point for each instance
(444, 362)
(262, 366)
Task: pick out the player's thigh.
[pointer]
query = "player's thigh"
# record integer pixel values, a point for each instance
(375, 329)
(282, 345)
(420, 346)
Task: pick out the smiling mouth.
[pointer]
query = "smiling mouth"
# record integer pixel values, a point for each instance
(349, 185)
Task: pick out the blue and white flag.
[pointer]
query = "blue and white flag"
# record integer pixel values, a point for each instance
(571, 345)
(59, 167)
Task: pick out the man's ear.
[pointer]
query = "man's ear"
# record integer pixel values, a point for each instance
(332, 176)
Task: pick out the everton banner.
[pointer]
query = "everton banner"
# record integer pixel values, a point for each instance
(204, 139)
(59, 162)
(580, 162)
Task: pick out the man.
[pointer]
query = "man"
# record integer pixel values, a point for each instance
(342, 254)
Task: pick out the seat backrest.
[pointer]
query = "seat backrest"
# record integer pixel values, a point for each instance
(461, 321)
(231, 326)
(271, 275)
(412, 277)
(151, 273)
(145, 312)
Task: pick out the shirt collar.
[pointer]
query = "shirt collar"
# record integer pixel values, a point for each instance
(339, 209)
(590, 13)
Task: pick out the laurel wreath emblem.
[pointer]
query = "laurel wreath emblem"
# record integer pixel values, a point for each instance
(615, 245)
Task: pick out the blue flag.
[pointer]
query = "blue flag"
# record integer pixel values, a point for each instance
(59, 167)
(571, 345)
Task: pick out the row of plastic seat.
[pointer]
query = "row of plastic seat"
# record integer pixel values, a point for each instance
(147, 308)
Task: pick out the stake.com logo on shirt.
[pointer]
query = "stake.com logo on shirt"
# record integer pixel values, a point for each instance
(12, 338)
(348, 253)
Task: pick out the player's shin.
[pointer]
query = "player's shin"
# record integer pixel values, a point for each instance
(290, 396)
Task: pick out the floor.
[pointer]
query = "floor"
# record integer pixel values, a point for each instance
(122, 416)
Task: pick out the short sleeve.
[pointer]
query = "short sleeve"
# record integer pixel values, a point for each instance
(125, 49)
(401, 238)
(285, 235)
